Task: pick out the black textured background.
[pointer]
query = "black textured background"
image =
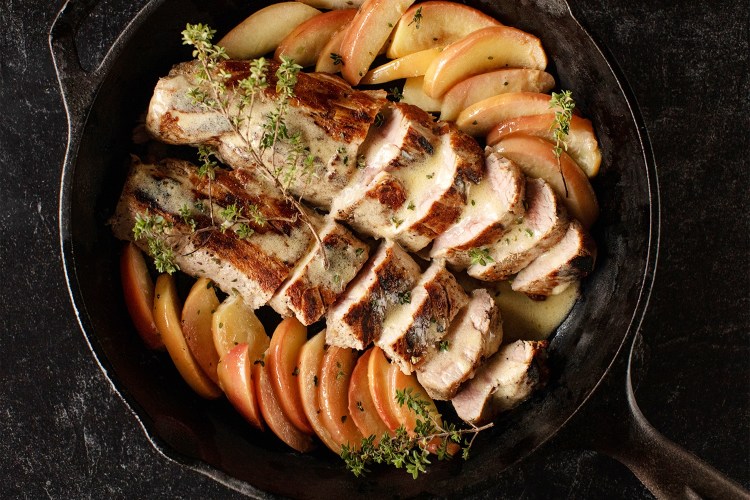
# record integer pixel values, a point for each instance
(65, 434)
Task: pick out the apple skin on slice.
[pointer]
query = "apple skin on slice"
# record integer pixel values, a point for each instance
(197, 316)
(138, 289)
(535, 157)
(502, 81)
(415, 64)
(234, 323)
(262, 32)
(367, 35)
(482, 51)
(274, 415)
(361, 406)
(333, 391)
(332, 4)
(235, 379)
(327, 61)
(281, 363)
(479, 118)
(398, 381)
(377, 376)
(581, 142)
(442, 23)
(306, 42)
(167, 318)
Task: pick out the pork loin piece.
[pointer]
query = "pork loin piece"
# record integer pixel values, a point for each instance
(332, 119)
(543, 225)
(493, 206)
(473, 336)
(559, 267)
(503, 382)
(254, 266)
(356, 319)
(412, 329)
(312, 288)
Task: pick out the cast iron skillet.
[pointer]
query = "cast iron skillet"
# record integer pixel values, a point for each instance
(104, 104)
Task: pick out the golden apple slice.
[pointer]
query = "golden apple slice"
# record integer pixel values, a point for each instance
(333, 4)
(234, 323)
(479, 118)
(305, 43)
(329, 60)
(536, 157)
(281, 360)
(398, 381)
(503, 81)
(415, 64)
(272, 413)
(413, 93)
(138, 289)
(482, 51)
(264, 30)
(361, 406)
(440, 23)
(167, 319)
(235, 379)
(581, 142)
(367, 35)
(197, 314)
(377, 376)
(333, 391)
(310, 362)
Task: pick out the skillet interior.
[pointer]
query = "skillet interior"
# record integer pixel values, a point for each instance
(210, 436)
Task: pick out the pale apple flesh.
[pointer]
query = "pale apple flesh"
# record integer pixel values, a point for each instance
(440, 23)
(197, 315)
(329, 60)
(482, 51)
(333, 391)
(479, 118)
(413, 93)
(138, 289)
(235, 379)
(415, 64)
(377, 375)
(167, 319)
(306, 42)
(361, 406)
(234, 323)
(502, 81)
(264, 30)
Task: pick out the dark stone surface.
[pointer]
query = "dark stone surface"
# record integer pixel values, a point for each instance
(65, 434)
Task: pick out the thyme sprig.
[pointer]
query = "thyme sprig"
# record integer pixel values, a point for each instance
(480, 256)
(563, 104)
(412, 450)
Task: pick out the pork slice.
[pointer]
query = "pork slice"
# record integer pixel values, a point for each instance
(474, 335)
(421, 318)
(493, 206)
(559, 267)
(312, 288)
(356, 319)
(254, 266)
(503, 382)
(543, 225)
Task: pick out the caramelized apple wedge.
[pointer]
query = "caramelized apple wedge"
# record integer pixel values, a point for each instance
(482, 51)
(281, 361)
(306, 42)
(329, 60)
(167, 319)
(333, 4)
(234, 323)
(264, 30)
(138, 289)
(361, 406)
(479, 118)
(435, 24)
(413, 93)
(197, 314)
(415, 64)
(377, 376)
(398, 381)
(335, 375)
(235, 379)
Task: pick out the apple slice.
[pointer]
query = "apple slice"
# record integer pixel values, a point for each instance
(377, 376)
(262, 32)
(414, 94)
(138, 289)
(482, 51)
(234, 323)
(197, 314)
(329, 60)
(305, 43)
(440, 23)
(272, 413)
(281, 359)
(310, 362)
(503, 81)
(333, 391)
(479, 118)
(581, 142)
(367, 35)
(415, 64)
(535, 156)
(399, 381)
(361, 406)
(167, 319)
(235, 379)
(333, 4)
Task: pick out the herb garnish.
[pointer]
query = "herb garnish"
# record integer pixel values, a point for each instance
(563, 104)
(417, 19)
(480, 256)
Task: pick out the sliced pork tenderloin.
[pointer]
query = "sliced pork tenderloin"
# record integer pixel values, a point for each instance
(503, 382)
(543, 225)
(356, 319)
(474, 335)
